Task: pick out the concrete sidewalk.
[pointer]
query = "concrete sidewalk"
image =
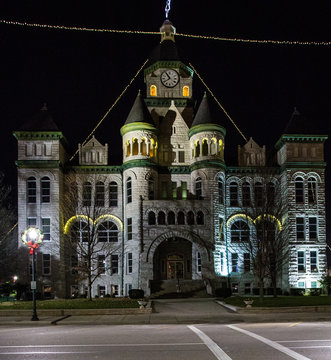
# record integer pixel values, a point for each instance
(171, 311)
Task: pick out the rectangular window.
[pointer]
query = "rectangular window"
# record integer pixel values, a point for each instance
(313, 284)
(31, 190)
(247, 262)
(129, 263)
(184, 190)
(102, 291)
(113, 194)
(312, 228)
(301, 261)
(164, 192)
(222, 263)
(235, 288)
(46, 228)
(181, 156)
(114, 264)
(301, 284)
(129, 228)
(101, 264)
(114, 290)
(198, 262)
(128, 287)
(234, 262)
(31, 222)
(45, 190)
(300, 225)
(174, 189)
(247, 288)
(46, 264)
(313, 261)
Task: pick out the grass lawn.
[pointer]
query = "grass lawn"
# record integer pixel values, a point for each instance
(109, 303)
(281, 301)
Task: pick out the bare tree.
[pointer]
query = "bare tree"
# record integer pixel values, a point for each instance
(91, 234)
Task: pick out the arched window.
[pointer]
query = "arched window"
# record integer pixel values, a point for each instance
(200, 218)
(87, 193)
(161, 218)
(171, 218)
(100, 194)
(198, 188)
(128, 148)
(113, 193)
(107, 232)
(299, 194)
(239, 231)
(220, 191)
(197, 149)
(31, 190)
(153, 90)
(151, 190)
(135, 146)
(128, 190)
(79, 232)
(190, 218)
(151, 218)
(204, 147)
(45, 189)
(233, 193)
(186, 91)
(271, 194)
(258, 192)
(143, 147)
(180, 218)
(213, 147)
(246, 192)
(312, 190)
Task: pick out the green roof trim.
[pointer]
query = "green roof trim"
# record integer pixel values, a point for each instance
(208, 164)
(30, 164)
(108, 169)
(138, 163)
(137, 126)
(206, 127)
(161, 102)
(168, 64)
(307, 165)
(299, 138)
(38, 135)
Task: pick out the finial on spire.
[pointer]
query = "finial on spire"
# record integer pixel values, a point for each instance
(167, 8)
(44, 108)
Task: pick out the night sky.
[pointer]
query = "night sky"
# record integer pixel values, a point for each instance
(80, 74)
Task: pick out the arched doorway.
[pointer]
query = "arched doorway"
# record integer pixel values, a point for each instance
(173, 260)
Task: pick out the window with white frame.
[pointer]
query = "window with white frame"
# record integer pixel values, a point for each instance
(313, 261)
(234, 262)
(313, 284)
(101, 264)
(301, 284)
(198, 262)
(128, 190)
(114, 263)
(101, 290)
(45, 190)
(113, 193)
(31, 190)
(107, 232)
(129, 263)
(31, 221)
(235, 288)
(46, 264)
(300, 228)
(312, 222)
(312, 190)
(114, 290)
(46, 228)
(299, 190)
(301, 261)
(129, 228)
(100, 194)
(233, 188)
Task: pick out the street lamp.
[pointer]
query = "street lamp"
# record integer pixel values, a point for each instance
(32, 237)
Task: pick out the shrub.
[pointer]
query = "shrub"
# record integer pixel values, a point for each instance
(136, 294)
(223, 292)
(297, 291)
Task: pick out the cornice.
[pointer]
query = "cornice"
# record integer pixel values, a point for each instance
(218, 164)
(300, 138)
(30, 164)
(168, 64)
(206, 127)
(163, 102)
(138, 126)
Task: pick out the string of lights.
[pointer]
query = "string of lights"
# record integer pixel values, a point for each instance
(218, 103)
(139, 32)
(111, 108)
(14, 226)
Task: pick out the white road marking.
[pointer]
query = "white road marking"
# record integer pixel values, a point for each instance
(311, 347)
(96, 345)
(213, 347)
(294, 341)
(271, 343)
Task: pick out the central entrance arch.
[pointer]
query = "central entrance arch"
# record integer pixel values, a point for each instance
(173, 260)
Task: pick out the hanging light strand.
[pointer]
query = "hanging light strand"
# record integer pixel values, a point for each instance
(110, 109)
(167, 8)
(218, 103)
(10, 231)
(138, 32)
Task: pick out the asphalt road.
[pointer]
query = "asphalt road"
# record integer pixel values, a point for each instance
(272, 341)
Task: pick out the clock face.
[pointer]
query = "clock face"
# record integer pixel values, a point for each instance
(170, 78)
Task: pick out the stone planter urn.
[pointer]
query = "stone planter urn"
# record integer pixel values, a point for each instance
(142, 304)
(248, 303)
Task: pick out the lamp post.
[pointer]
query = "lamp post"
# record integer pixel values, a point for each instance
(32, 237)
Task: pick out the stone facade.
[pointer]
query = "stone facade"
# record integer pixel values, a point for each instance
(173, 210)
